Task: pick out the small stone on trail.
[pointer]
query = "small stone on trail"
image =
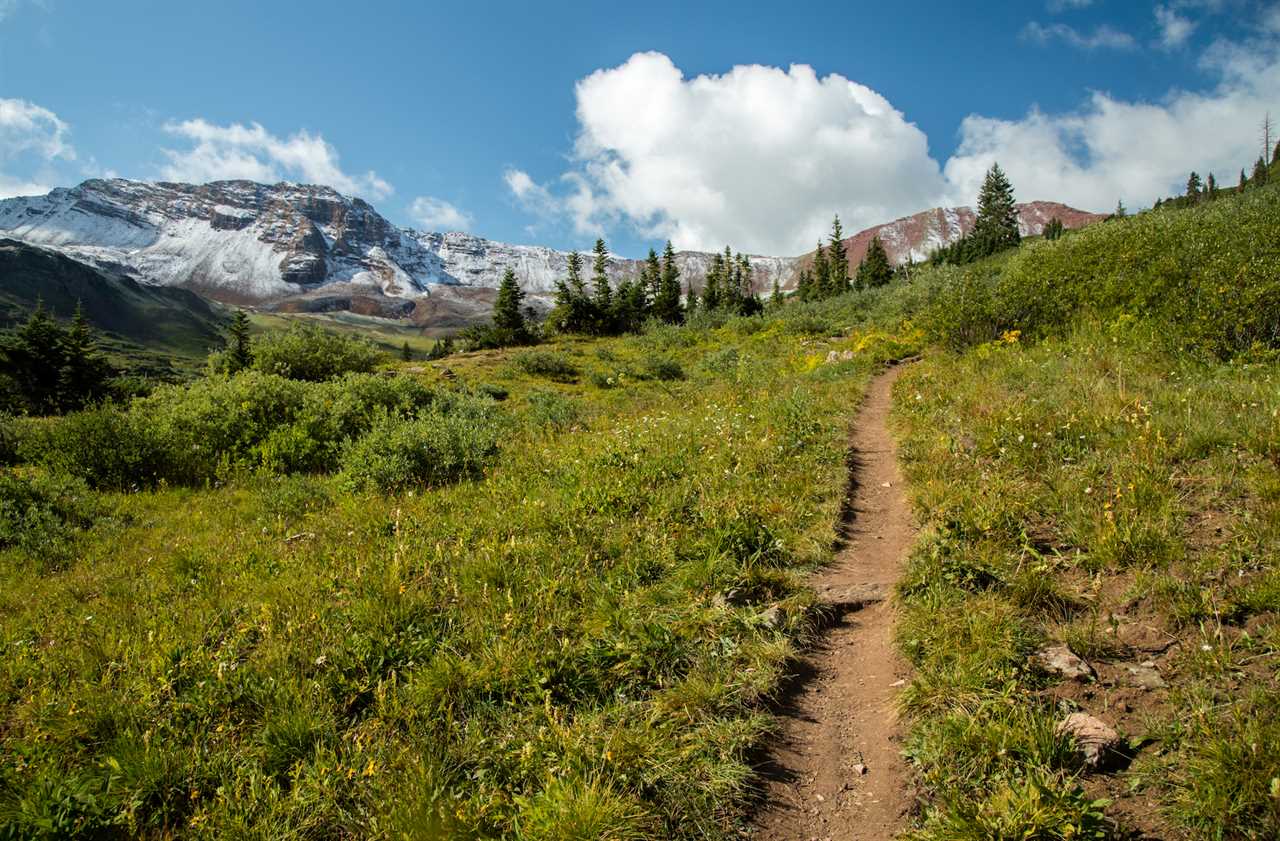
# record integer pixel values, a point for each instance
(1144, 677)
(899, 682)
(1058, 660)
(860, 769)
(773, 618)
(886, 484)
(1093, 736)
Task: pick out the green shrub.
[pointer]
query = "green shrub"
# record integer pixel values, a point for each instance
(307, 352)
(104, 446)
(556, 367)
(551, 410)
(447, 444)
(662, 368)
(39, 514)
(8, 441)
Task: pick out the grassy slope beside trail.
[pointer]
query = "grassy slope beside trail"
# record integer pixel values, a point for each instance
(575, 646)
(1114, 487)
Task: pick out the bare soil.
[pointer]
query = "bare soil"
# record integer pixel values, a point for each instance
(836, 771)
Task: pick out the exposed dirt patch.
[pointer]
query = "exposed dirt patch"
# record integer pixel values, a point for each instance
(837, 772)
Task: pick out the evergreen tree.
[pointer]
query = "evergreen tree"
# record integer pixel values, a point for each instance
(406, 352)
(1121, 212)
(508, 317)
(818, 282)
(1053, 229)
(574, 311)
(712, 297)
(1259, 173)
(1193, 188)
(996, 227)
(85, 372)
(239, 345)
(1211, 187)
(690, 299)
(875, 269)
(775, 299)
(838, 261)
(804, 286)
(666, 304)
(652, 275)
(33, 356)
(1244, 182)
(603, 291)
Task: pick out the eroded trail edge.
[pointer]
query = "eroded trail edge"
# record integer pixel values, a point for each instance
(836, 772)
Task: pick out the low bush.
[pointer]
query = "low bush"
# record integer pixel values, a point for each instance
(551, 410)
(306, 352)
(447, 444)
(556, 367)
(662, 368)
(106, 446)
(40, 512)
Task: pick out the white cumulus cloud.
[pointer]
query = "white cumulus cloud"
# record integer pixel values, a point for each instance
(253, 153)
(435, 214)
(761, 157)
(758, 158)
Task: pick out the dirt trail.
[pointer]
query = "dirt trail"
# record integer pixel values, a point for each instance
(836, 773)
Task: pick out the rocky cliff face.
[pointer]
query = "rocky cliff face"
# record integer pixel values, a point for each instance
(308, 248)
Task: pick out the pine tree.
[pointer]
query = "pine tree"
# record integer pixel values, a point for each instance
(239, 345)
(1053, 229)
(508, 317)
(1244, 182)
(1193, 188)
(996, 227)
(33, 356)
(875, 269)
(666, 304)
(775, 298)
(818, 282)
(1259, 173)
(85, 372)
(711, 293)
(1211, 187)
(838, 261)
(652, 279)
(603, 291)
(406, 352)
(1121, 212)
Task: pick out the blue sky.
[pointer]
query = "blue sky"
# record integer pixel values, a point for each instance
(712, 123)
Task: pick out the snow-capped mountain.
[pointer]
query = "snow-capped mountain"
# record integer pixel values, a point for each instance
(309, 248)
(293, 246)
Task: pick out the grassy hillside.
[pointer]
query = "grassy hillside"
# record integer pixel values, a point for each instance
(575, 645)
(1115, 488)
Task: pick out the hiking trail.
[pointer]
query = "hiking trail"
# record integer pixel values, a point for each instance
(835, 773)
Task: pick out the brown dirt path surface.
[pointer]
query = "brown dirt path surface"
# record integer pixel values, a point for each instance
(836, 771)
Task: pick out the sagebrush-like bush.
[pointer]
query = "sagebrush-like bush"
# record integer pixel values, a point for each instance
(544, 363)
(455, 440)
(306, 352)
(40, 512)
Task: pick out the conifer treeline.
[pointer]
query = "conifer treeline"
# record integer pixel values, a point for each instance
(602, 310)
(1200, 190)
(829, 274)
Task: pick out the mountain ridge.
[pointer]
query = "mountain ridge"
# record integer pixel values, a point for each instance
(308, 248)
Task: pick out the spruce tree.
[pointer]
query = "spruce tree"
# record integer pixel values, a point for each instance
(711, 294)
(837, 261)
(603, 292)
(508, 317)
(775, 299)
(1259, 173)
(996, 227)
(1193, 188)
(33, 356)
(85, 372)
(406, 352)
(653, 278)
(239, 345)
(1053, 229)
(818, 282)
(666, 304)
(875, 270)
(1244, 182)
(1121, 212)
(1211, 187)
